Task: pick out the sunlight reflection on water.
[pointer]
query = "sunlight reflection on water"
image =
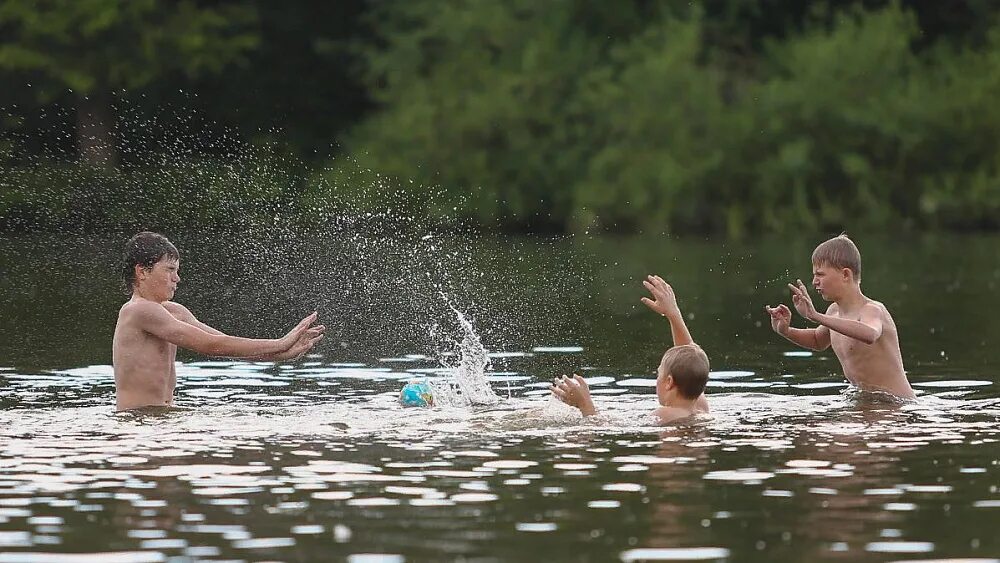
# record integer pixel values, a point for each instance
(244, 475)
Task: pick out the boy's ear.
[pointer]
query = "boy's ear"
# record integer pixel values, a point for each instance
(669, 381)
(847, 273)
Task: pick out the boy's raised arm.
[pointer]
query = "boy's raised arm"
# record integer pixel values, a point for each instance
(664, 303)
(867, 330)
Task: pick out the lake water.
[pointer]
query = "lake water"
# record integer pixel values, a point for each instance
(315, 460)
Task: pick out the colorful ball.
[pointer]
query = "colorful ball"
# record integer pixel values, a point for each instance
(416, 394)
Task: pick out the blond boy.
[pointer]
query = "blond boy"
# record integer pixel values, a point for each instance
(861, 330)
(680, 378)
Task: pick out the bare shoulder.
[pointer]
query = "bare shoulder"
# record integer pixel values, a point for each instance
(176, 309)
(667, 415)
(833, 309)
(140, 309)
(879, 307)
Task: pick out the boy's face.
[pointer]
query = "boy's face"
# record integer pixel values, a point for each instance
(159, 282)
(830, 282)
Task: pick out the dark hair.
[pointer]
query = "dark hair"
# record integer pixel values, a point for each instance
(688, 366)
(144, 249)
(839, 252)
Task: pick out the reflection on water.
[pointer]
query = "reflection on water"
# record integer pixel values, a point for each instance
(316, 460)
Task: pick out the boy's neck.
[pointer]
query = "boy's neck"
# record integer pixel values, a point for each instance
(674, 400)
(852, 299)
(138, 293)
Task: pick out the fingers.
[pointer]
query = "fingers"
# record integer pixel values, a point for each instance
(795, 289)
(306, 322)
(656, 283)
(784, 310)
(564, 383)
(648, 302)
(580, 381)
(662, 284)
(803, 288)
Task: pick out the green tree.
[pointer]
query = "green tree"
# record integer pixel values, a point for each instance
(480, 98)
(97, 48)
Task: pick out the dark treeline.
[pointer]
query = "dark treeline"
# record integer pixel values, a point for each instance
(713, 116)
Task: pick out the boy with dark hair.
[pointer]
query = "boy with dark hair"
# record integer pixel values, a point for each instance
(151, 327)
(861, 330)
(680, 378)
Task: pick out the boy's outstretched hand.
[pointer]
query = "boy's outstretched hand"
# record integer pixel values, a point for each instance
(781, 318)
(664, 302)
(802, 300)
(575, 392)
(292, 336)
(306, 341)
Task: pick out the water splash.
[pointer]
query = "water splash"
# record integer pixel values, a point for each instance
(467, 384)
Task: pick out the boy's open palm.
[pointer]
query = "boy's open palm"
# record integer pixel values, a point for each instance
(292, 336)
(575, 392)
(664, 302)
(306, 341)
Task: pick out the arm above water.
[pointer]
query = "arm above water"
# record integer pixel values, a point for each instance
(867, 330)
(307, 339)
(183, 314)
(156, 320)
(575, 392)
(664, 302)
(813, 338)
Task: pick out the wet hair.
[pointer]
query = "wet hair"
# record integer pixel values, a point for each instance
(839, 252)
(688, 366)
(144, 249)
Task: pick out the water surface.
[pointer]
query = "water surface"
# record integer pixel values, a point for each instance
(315, 460)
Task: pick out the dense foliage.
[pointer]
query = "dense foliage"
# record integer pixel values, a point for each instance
(735, 118)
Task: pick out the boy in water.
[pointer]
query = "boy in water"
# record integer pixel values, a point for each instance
(861, 330)
(151, 327)
(680, 378)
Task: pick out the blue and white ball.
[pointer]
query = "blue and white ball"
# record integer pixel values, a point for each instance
(416, 394)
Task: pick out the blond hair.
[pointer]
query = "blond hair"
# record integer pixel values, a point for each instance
(839, 252)
(688, 366)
